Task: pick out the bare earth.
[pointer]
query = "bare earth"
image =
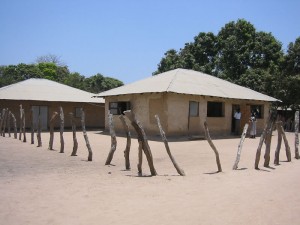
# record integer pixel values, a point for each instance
(39, 186)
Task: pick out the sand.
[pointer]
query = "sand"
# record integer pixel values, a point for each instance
(39, 186)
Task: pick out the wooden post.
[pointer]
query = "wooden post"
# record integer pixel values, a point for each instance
(268, 145)
(24, 130)
(39, 130)
(261, 141)
(297, 135)
(142, 137)
(128, 143)
(286, 143)
(4, 122)
(207, 136)
(164, 138)
(140, 157)
(15, 126)
(32, 126)
(52, 120)
(61, 132)
(1, 120)
(113, 139)
(75, 142)
(21, 122)
(279, 140)
(238, 155)
(90, 156)
(9, 123)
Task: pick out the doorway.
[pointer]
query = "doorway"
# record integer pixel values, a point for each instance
(234, 108)
(43, 112)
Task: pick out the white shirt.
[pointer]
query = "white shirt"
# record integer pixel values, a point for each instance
(237, 115)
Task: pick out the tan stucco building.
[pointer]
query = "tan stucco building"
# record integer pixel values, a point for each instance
(184, 99)
(42, 96)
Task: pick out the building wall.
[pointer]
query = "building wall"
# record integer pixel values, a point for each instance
(173, 110)
(94, 112)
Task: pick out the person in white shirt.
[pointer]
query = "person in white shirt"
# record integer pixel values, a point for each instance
(237, 116)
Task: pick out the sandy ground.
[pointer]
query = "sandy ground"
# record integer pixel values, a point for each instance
(39, 186)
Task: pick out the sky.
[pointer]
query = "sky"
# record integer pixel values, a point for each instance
(126, 39)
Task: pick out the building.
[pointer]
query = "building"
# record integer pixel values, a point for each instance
(44, 96)
(184, 99)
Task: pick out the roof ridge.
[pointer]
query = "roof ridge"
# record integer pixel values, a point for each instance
(173, 79)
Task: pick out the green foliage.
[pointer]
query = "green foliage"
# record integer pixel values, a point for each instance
(169, 62)
(51, 71)
(75, 80)
(48, 70)
(98, 83)
(292, 59)
(242, 55)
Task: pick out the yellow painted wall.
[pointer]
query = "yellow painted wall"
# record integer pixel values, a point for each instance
(173, 110)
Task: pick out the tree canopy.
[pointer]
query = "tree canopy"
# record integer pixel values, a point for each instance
(241, 54)
(54, 70)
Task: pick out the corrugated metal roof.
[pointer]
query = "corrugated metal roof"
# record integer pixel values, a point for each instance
(183, 81)
(37, 89)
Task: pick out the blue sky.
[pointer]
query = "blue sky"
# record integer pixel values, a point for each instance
(127, 39)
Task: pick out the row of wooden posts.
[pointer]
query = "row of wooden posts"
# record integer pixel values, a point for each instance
(265, 137)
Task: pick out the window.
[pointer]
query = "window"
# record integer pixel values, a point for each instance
(258, 110)
(117, 108)
(194, 109)
(215, 109)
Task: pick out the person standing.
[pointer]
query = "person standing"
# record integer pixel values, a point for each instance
(252, 125)
(237, 117)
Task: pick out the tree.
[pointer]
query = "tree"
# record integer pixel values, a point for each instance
(292, 58)
(169, 62)
(238, 53)
(75, 80)
(16, 73)
(256, 79)
(234, 42)
(109, 83)
(50, 58)
(49, 70)
(98, 83)
(267, 52)
(201, 54)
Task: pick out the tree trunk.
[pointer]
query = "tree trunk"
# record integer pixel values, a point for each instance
(75, 142)
(1, 121)
(52, 120)
(238, 155)
(140, 156)
(39, 130)
(15, 126)
(297, 135)
(128, 143)
(261, 141)
(279, 140)
(113, 139)
(9, 123)
(90, 156)
(268, 145)
(164, 138)
(21, 122)
(286, 143)
(207, 136)
(24, 130)
(142, 137)
(32, 126)
(61, 132)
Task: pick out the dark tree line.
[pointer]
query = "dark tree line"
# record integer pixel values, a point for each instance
(241, 54)
(49, 67)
